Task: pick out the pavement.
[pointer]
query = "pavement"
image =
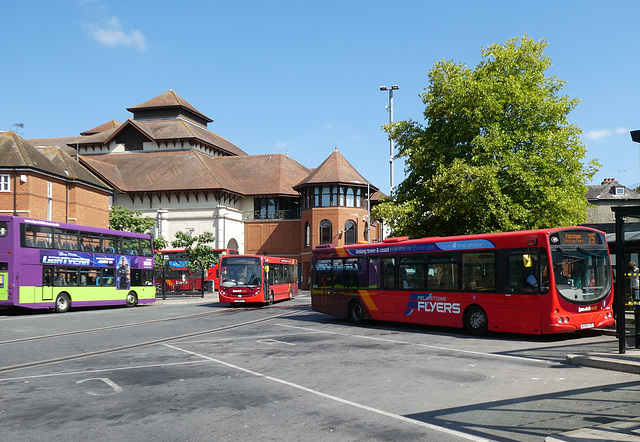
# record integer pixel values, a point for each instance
(629, 362)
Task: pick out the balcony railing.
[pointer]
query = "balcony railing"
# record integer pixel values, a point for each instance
(270, 215)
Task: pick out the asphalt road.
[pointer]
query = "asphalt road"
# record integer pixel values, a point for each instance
(197, 372)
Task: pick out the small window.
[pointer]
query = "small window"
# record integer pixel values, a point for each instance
(326, 232)
(618, 190)
(3, 228)
(5, 183)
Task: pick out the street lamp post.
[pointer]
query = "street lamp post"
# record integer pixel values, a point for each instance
(391, 147)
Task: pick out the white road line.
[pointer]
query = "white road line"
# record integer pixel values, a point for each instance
(102, 370)
(395, 341)
(335, 398)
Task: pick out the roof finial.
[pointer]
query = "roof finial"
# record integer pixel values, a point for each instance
(336, 148)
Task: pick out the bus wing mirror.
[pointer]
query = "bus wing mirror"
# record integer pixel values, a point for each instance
(527, 260)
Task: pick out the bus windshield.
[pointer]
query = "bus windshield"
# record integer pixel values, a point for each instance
(582, 275)
(240, 272)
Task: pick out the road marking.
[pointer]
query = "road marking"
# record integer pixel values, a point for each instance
(437, 347)
(334, 398)
(116, 388)
(274, 341)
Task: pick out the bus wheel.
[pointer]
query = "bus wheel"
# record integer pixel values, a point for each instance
(132, 299)
(290, 294)
(63, 303)
(476, 321)
(271, 298)
(356, 312)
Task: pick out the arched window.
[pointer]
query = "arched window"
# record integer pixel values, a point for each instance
(307, 234)
(326, 232)
(350, 232)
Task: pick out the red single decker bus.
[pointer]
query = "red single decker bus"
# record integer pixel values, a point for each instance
(536, 282)
(254, 278)
(178, 277)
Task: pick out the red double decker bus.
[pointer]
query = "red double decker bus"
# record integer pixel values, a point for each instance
(255, 278)
(178, 277)
(535, 282)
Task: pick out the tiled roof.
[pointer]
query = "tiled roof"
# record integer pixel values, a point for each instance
(113, 124)
(168, 100)
(16, 152)
(166, 130)
(190, 170)
(256, 175)
(335, 170)
(604, 191)
(65, 143)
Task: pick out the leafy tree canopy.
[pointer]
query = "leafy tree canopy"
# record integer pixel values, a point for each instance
(496, 153)
(198, 253)
(121, 218)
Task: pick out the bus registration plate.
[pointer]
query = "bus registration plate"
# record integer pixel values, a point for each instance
(239, 300)
(587, 325)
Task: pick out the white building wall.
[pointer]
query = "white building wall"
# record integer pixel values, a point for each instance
(222, 219)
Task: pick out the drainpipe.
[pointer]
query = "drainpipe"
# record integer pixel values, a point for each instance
(15, 193)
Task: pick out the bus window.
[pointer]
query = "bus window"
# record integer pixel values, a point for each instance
(351, 273)
(108, 277)
(65, 276)
(109, 244)
(36, 236)
(323, 273)
(479, 271)
(411, 273)
(389, 273)
(130, 246)
(65, 240)
(88, 276)
(145, 245)
(90, 243)
(47, 276)
(523, 271)
(338, 273)
(445, 270)
(4, 228)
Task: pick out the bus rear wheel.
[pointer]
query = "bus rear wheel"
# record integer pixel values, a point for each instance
(63, 303)
(356, 312)
(132, 299)
(476, 321)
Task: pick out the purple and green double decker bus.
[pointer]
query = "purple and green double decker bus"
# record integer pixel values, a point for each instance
(51, 265)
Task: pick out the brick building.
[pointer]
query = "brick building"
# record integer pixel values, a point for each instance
(166, 163)
(47, 183)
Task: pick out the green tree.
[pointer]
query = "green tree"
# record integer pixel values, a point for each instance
(121, 218)
(497, 152)
(198, 254)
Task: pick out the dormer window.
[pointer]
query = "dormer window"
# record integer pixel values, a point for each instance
(618, 190)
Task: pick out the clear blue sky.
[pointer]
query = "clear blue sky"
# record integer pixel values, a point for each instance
(303, 76)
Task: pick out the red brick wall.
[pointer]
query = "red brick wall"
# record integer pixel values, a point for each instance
(87, 205)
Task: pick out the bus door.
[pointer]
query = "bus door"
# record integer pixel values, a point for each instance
(4, 281)
(265, 280)
(47, 283)
(527, 276)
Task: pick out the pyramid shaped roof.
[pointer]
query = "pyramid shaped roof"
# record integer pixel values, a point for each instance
(335, 170)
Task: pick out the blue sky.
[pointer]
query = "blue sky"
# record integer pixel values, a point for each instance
(302, 77)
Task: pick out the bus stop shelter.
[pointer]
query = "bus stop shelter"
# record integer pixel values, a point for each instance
(627, 243)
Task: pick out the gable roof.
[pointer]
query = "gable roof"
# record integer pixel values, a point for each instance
(113, 124)
(17, 153)
(335, 170)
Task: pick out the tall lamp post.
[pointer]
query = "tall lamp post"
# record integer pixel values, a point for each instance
(391, 152)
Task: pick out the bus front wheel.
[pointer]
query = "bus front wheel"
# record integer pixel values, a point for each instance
(476, 321)
(356, 312)
(271, 298)
(63, 303)
(132, 299)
